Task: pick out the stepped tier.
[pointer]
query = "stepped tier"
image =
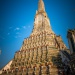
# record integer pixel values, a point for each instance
(39, 55)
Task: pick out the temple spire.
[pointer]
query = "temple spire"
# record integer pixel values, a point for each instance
(41, 6)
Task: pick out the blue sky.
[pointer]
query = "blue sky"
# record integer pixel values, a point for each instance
(17, 20)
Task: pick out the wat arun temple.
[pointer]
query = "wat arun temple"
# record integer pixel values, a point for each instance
(40, 52)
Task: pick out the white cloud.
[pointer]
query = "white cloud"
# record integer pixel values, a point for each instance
(24, 27)
(17, 28)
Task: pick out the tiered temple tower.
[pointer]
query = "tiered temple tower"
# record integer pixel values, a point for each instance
(39, 54)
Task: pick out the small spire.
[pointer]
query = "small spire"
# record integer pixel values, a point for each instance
(41, 6)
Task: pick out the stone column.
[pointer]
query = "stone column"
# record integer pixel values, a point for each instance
(44, 53)
(39, 54)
